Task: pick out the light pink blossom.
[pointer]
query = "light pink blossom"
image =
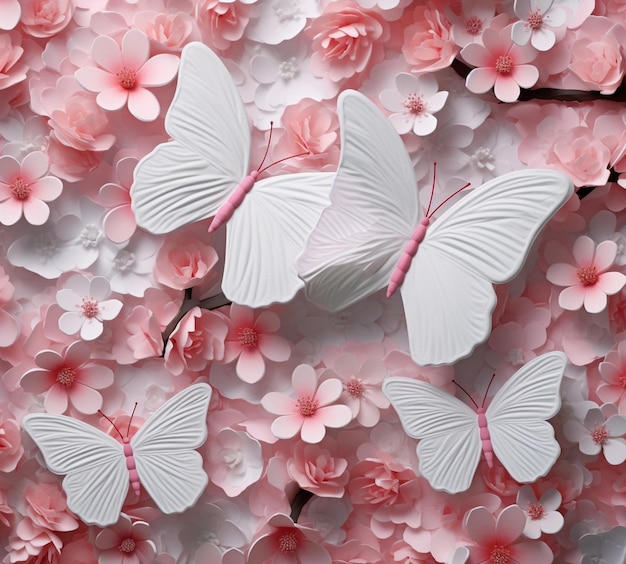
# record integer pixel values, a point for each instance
(25, 189)
(46, 507)
(13, 68)
(68, 379)
(11, 449)
(311, 411)
(536, 17)
(541, 515)
(318, 471)
(45, 18)
(590, 281)
(613, 374)
(125, 543)
(223, 23)
(467, 26)
(124, 74)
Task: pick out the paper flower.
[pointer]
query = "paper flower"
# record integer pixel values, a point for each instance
(86, 306)
(124, 74)
(25, 189)
(413, 103)
(590, 281)
(119, 223)
(604, 548)
(318, 471)
(69, 379)
(125, 542)
(536, 17)
(541, 515)
(468, 26)
(10, 11)
(613, 373)
(311, 411)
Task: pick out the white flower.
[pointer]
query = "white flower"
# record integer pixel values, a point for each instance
(280, 20)
(537, 16)
(413, 103)
(541, 515)
(86, 306)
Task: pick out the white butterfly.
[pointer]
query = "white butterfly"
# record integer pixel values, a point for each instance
(193, 176)
(452, 435)
(95, 464)
(447, 292)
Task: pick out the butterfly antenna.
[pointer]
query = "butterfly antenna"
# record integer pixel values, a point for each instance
(113, 424)
(488, 386)
(432, 189)
(447, 200)
(269, 142)
(465, 392)
(267, 148)
(131, 419)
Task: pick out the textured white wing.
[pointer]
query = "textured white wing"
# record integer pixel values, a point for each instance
(521, 438)
(266, 234)
(168, 467)
(187, 179)
(353, 249)
(96, 479)
(447, 308)
(450, 447)
(490, 230)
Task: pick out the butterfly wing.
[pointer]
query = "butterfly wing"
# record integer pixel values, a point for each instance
(187, 179)
(450, 447)
(521, 438)
(168, 466)
(96, 479)
(354, 248)
(266, 234)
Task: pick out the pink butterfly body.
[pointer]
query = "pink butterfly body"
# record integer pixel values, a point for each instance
(133, 476)
(485, 438)
(404, 262)
(228, 208)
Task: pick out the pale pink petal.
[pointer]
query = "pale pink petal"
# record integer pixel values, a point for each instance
(95, 79)
(95, 376)
(605, 255)
(312, 553)
(572, 298)
(48, 360)
(11, 12)
(403, 123)
(107, 53)
(287, 426)
(477, 56)
(551, 499)
(368, 414)
(543, 39)
(112, 98)
(611, 282)
(278, 404)
(595, 299)
(99, 288)
(56, 400)
(36, 212)
(9, 329)
(563, 274)
(68, 300)
(135, 49)
(392, 100)
(614, 451)
(35, 165)
(10, 211)
(584, 251)
(112, 195)
(241, 316)
(588, 446)
(107, 538)
(47, 188)
(506, 88)
(510, 524)
(37, 381)
(334, 416)
(250, 365)
(84, 399)
(109, 309)
(526, 496)
(119, 224)
(480, 80)
(304, 380)
(159, 70)
(9, 168)
(328, 391)
(313, 430)
(525, 75)
(616, 425)
(143, 104)
(552, 522)
(91, 329)
(520, 33)
(536, 552)
(425, 125)
(481, 525)
(436, 102)
(266, 322)
(5, 191)
(274, 347)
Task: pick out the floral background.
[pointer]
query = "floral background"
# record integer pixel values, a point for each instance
(480, 87)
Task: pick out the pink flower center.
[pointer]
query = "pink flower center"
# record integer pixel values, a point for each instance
(127, 545)
(473, 25)
(20, 188)
(66, 376)
(307, 406)
(599, 435)
(90, 307)
(588, 275)
(535, 19)
(355, 387)
(288, 542)
(127, 78)
(500, 555)
(535, 511)
(248, 337)
(415, 104)
(504, 64)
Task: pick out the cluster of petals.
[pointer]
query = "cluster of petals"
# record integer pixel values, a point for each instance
(541, 514)
(613, 373)
(127, 542)
(537, 17)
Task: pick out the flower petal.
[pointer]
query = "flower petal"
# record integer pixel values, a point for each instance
(107, 54)
(159, 70)
(611, 282)
(572, 298)
(250, 366)
(143, 104)
(563, 274)
(313, 430)
(328, 391)
(304, 380)
(135, 49)
(584, 251)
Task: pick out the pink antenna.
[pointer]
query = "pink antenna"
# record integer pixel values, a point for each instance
(113, 424)
(465, 392)
(131, 419)
(488, 386)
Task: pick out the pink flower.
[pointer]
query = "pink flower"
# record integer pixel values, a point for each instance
(222, 23)
(86, 306)
(590, 281)
(311, 411)
(9, 325)
(10, 11)
(31, 541)
(11, 449)
(428, 45)
(46, 507)
(501, 65)
(613, 373)
(251, 340)
(45, 18)
(496, 539)
(24, 189)
(318, 471)
(172, 30)
(467, 27)
(13, 69)
(125, 543)
(185, 261)
(119, 223)
(346, 40)
(288, 543)
(541, 515)
(124, 74)
(377, 482)
(69, 379)
(537, 16)
(198, 340)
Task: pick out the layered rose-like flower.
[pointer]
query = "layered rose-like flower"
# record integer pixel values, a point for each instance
(124, 74)
(222, 23)
(173, 30)
(613, 373)
(126, 543)
(45, 18)
(346, 40)
(46, 507)
(11, 449)
(25, 189)
(12, 66)
(69, 379)
(318, 471)
(590, 281)
(311, 411)
(377, 482)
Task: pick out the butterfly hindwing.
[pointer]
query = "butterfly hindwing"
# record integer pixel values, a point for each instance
(521, 437)
(96, 478)
(450, 446)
